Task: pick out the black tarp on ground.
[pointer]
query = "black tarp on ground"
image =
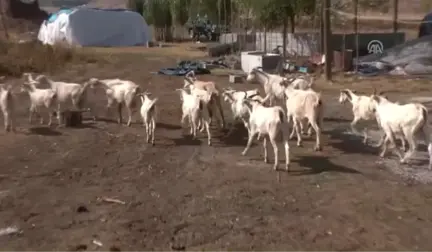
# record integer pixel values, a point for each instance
(426, 26)
(414, 57)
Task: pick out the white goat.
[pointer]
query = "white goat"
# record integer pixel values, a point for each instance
(301, 105)
(267, 121)
(148, 114)
(270, 82)
(120, 92)
(65, 91)
(211, 87)
(193, 109)
(7, 106)
(362, 110)
(301, 82)
(407, 120)
(39, 99)
(238, 108)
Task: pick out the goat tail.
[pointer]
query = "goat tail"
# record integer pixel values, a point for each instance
(141, 97)
(319, 111)
(153, 104)
(423, 121)
(9, 94)
(51, 101)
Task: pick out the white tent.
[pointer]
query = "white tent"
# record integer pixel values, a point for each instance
(95, 27)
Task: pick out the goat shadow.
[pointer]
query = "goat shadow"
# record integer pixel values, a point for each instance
(319, 164)
(350, 143)
(236, 135)
(44, 131)
(187, 140)
(86, 125)
(168, 126)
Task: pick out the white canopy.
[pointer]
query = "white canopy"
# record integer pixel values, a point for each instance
(95, 27)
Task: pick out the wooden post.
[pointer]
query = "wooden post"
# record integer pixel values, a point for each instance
(322, 29)
(355, 24)
(395, 15)
(327, 41)
(4, 11)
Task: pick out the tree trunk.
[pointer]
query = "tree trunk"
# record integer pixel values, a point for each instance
(292, 22)
(265, 39)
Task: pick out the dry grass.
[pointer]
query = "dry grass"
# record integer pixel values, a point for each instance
(17, 58)
(387, 84)
(171, 50)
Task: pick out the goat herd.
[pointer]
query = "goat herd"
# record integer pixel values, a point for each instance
(201, 99)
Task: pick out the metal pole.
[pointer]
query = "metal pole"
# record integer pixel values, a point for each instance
(395, 15)
(327, 41)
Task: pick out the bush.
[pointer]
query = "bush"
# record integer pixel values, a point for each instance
(17, 58)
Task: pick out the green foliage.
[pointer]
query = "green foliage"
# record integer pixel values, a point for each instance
(274, 13)
(136, 5)
(179, 11)
(158, 13)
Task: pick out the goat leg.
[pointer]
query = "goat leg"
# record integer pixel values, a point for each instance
(249, 143)
(265, 150)
(129, 110)
(119, 113)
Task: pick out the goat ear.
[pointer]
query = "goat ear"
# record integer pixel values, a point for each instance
(376, 98)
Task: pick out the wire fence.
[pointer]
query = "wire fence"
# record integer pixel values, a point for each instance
(373, 16)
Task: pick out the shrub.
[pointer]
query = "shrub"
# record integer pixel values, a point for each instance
(17, 58)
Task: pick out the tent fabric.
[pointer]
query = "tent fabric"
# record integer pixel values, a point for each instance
(95, 27)
(53, 17)
(426, 26)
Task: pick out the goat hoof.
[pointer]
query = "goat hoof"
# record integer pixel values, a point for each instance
(266, 160)
(243, 153)
(287, 168)
(318, 148)
(275, 168)
(299, 144)
(153, 144)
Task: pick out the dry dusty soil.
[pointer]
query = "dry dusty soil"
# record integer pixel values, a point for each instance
(183, 194)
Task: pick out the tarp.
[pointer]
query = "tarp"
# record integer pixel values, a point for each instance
(426, 26)
(95, 27)
(414, 57)
(184, 67)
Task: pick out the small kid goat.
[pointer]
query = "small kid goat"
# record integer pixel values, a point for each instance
(267, 121)
(119, 92)
(7, 106)
(39, 98)
(211, 87)
(195, 111)
(148, 114)
(65, 91)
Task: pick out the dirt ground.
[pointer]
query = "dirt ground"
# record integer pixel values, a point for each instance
(183, 194)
